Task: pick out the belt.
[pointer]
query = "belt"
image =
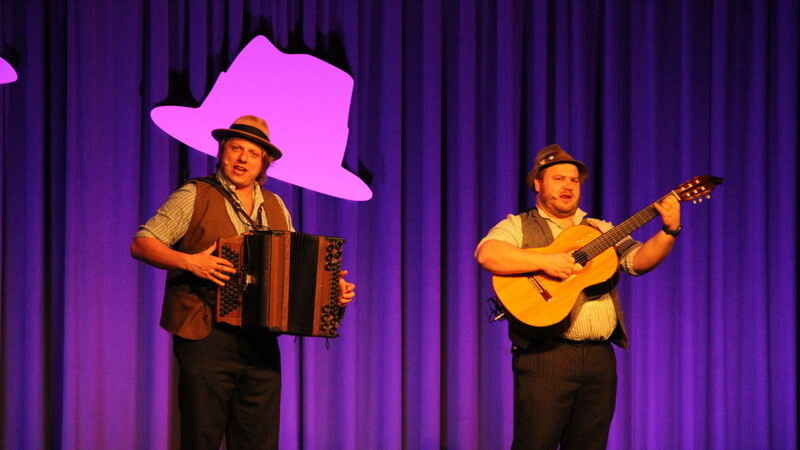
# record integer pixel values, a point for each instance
(552, 343)
(586, 342)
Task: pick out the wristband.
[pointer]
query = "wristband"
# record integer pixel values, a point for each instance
(673, 233)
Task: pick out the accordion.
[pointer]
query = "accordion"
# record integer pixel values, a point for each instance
(287, 282)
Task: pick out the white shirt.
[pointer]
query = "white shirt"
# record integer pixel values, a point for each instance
(591, 318)
(172, 219)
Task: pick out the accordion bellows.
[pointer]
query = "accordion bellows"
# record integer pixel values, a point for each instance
(286, 282)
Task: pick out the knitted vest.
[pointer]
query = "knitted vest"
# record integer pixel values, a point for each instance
(189, 300)
(536, 233)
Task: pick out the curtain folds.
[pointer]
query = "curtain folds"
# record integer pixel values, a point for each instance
(452, 100)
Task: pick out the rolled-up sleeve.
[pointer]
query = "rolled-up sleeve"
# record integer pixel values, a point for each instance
(626, 248)
(507, 230)
(171, 221)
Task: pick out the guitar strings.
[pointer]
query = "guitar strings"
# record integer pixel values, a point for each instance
(616, 234)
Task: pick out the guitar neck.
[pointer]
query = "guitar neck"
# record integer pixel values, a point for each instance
(616, 234)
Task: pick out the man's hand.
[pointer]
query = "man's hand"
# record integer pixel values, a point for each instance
(502, 258)
(347, 291)
(558, 265)
(670, 210)
(205, 265)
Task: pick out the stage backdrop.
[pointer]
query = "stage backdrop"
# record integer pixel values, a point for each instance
(452, 99)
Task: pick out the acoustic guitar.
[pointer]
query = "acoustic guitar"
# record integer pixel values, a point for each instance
(539, 300)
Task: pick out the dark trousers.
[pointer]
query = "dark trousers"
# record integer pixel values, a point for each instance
(564, 394)
(229, 384)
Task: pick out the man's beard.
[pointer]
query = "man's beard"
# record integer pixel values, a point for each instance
(554, 203)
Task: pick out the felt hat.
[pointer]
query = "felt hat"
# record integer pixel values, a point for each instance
(252, 128)
(551, 155)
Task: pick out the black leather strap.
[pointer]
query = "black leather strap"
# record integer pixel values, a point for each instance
(212, 180)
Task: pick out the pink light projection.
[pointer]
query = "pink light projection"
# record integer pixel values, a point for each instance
(306, 103)
(7, 73)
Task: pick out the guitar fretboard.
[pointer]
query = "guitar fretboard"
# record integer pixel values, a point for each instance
(589, 251)
(693, 189)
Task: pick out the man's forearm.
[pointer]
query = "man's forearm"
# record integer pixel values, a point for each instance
(157, 254)
(653, 252)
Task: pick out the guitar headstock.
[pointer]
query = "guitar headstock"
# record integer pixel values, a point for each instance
(697, 188)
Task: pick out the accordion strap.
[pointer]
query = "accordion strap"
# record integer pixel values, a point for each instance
(236, 205)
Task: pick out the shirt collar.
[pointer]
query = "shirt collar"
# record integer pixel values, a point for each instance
(576, 218)
(258, 198)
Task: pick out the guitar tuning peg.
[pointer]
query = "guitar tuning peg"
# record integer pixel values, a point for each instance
(694, 202)
(708, 196)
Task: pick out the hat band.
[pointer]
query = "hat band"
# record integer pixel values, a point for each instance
(251, 130)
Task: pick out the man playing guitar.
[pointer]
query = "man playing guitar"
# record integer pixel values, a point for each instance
(565, 375)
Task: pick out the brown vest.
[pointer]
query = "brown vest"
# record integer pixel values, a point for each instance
(189, 300)
(536, 233)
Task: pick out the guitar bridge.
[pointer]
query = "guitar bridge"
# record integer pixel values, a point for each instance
(539, 288)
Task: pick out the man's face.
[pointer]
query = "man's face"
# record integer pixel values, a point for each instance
(241, 162)
(559, 190)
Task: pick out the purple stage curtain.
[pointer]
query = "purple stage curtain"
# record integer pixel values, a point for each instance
(452, 99)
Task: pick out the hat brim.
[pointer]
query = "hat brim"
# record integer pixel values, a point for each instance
(583, 171)
(222, 133)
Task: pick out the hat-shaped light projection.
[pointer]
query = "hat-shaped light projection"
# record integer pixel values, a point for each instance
(306, 102)
(7, 73)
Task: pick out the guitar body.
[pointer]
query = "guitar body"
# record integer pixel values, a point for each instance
(537, 299)
(540, 301)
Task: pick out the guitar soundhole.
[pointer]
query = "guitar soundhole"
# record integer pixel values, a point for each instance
(581, 258)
